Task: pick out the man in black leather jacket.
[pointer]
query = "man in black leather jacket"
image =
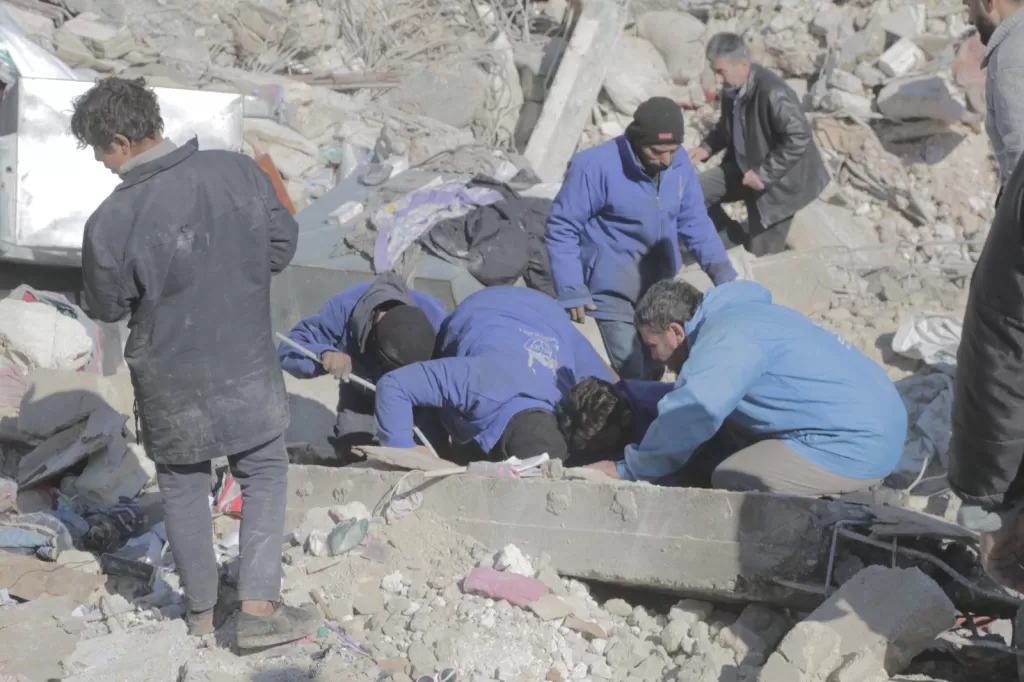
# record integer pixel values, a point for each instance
(771, 162)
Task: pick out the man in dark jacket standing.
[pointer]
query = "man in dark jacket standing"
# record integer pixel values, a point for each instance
(986, 452)
(186, 246)
(771, 162)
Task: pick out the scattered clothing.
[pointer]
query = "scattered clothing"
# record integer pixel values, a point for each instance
(110, 529)
(344, 324)
(614, 231)
(39, 533)
(769, 373)
(503, 351)
(186, 246)
(500, 242)
(777, 144)
(985, 453)
(401, 223)
(1004, 93)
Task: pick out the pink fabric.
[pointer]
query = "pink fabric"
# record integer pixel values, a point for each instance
(513, 588)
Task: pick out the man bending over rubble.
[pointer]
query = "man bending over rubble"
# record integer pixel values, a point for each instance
(771, 400)
(598, 418)
(771, 162)
(366, 330)
(506, 357)
(616, 224)
(186, 245)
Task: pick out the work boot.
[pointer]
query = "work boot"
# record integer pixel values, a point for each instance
(286, 624)
(199, 622)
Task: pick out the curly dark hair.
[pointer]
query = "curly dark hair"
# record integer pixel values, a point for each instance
(587, 415)
(116, 106)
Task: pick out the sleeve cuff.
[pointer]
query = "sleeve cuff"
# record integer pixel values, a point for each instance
(624, 473)
(720, 273)
(574, 298)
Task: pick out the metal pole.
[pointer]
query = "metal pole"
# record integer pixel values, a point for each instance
(359, 381)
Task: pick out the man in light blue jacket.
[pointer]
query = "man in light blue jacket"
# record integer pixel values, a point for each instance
(616, 224)
(783, 404)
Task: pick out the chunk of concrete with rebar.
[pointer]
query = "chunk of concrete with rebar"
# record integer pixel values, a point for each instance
(870, 628)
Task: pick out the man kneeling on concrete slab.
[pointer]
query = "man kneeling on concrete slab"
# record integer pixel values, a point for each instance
(766, 398)
(186, 246)
(505, 359)
(366, 330)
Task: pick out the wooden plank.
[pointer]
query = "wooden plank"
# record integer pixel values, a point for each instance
(575, 87)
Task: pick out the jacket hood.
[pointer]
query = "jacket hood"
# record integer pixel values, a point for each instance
(724, 296)
(146, 170)
(385, 289)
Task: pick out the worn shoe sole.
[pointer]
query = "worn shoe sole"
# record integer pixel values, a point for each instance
(261, 641)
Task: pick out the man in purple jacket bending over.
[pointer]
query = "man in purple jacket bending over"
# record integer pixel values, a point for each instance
(615, 228)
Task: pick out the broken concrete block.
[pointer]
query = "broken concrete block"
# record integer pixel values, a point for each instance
(866, 45)
(901, 59)
(637, 73)
(847, 102)
(164, 647)
(33, 641)
(550, 607)
(677, 37)
(844, 80)
(907, 22)
(36, 26)
(927, 96)
(778, 669)
(827, 22)
(869, 76)
(890, 614)
(104, 39)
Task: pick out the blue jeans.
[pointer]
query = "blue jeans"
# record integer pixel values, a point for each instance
(627, 353)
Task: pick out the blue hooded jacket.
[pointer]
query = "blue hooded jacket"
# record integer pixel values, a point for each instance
(502, 351)
(342, 323)
(773, 374)
(613, 231)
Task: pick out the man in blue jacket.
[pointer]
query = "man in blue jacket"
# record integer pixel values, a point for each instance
(505, 359)
(616, 224)
(804, 412)
(366, 330)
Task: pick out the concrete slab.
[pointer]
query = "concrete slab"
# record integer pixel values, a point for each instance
(697, 543)
(575, 88)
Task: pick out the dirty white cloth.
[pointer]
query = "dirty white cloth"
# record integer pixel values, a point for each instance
(34, 335)
(932, 338)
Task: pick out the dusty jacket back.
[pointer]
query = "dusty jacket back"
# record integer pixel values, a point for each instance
(186, 246)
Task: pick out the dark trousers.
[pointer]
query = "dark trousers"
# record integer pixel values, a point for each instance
(724, 185)
(262, 474)
(529, 433)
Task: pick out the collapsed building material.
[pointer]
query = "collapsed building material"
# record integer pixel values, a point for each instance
(871, 628)
(575, 88)
(701, 543)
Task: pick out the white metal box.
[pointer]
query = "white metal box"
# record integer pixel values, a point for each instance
(49, 187)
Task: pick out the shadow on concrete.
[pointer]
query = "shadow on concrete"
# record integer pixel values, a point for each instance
(311, 421)
(931, 150)
(890, 357)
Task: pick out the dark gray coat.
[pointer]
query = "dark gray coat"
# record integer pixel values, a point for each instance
(779, 145)
(986, 452)
(186, 244)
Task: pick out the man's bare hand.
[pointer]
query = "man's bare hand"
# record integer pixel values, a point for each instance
(698, 154)
(579, 313)
(337, 364)
(1002, 554)
(751, 180)
(608, 468)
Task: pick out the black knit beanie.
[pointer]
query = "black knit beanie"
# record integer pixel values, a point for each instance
(659, 120)
(403, 336)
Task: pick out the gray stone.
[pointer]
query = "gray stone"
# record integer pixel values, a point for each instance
(618, 607)
(550, 607)
(928, 96)
(673, 635)
(778, 669)
(422, 658)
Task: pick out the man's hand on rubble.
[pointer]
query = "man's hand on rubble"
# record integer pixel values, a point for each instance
(578, 314)
(608, 468)
(698, 154)
(1002, 554)
(751, 180)
(337, 364)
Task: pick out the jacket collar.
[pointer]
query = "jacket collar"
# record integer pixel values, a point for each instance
(1001, 33)
(146, 170)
